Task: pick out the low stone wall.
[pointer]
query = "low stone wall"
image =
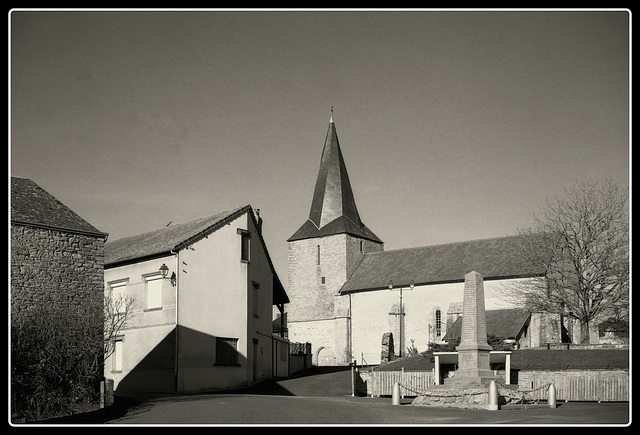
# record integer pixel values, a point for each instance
(472, 398)
(300, 362)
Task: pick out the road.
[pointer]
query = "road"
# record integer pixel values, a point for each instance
(324, 398)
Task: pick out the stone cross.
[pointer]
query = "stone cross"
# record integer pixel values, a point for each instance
(473, 351)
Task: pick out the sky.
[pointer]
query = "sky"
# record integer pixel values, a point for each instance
(454, 124)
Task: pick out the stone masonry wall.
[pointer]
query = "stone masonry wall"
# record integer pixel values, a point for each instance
(313, 285)
(49, 265)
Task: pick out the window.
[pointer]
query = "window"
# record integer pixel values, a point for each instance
(438, 323)
(361, 245)
(256, 299)
(118, 296)
(154, 292)
(245, 244)
(117, 355)
(226, 351)
(318, 262)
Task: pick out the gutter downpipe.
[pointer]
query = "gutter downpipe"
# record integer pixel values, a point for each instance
(175, 370)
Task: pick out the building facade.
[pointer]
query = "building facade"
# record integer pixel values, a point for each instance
(207, 323)
(347, 292)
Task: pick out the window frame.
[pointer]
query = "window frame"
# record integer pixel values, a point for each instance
(117, 364)
(226, 352)
(152, 277)
(245, 245)
(119, 287)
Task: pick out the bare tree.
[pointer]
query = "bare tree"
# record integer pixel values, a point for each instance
(118, 313)
(580, 247)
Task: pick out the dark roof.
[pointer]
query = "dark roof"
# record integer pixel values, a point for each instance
(166, 239)
(537, 359)
(178, 236)
(33, 206)
(341, 225)
(567, 359)
(333, 208)
(493, 258)
(506, 323)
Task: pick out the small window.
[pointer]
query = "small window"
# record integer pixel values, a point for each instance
(226, 351)
(322, 280)
(361, 245)
(438, 323)
(245, 245)
(119, 296)
(256, 299)
(117, 355)
(318, 260)
(154, 292)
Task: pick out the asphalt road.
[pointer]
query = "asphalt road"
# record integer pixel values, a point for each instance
(323, 397)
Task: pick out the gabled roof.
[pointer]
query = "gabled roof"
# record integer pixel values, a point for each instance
(31, 205)
(493, 258)
(167, 239)
(506, 323)
(333, 208)
(175, 237)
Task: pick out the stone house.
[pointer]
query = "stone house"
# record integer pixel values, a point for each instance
(54, 252)
(204, 293)
(57, 260)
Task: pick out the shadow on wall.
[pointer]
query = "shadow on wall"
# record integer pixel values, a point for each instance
(155, 373)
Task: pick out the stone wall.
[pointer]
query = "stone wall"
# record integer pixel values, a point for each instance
(49, 265)
(317, 269)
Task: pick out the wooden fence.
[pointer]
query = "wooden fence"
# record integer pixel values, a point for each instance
(380, 383)
(579, 385)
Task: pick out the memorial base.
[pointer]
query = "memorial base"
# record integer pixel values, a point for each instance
(467, 398)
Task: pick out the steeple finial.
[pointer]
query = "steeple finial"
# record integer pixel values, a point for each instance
(331, 120)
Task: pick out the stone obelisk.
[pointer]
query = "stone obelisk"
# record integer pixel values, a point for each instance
(473, 352)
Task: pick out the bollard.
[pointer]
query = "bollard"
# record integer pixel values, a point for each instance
(493, 397)
(395, 396)
(552, 396)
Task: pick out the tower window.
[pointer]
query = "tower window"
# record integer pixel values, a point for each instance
(318, 254)
(438, 323)
(361, 245)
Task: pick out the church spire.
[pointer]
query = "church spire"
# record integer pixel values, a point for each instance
(333, 208)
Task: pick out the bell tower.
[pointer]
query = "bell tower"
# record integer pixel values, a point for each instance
(322, 254)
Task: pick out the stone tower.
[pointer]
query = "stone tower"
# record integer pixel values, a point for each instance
(322, 254)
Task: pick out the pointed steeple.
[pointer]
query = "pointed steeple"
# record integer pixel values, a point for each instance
(333, 208)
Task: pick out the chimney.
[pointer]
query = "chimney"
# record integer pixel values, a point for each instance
(259, 220)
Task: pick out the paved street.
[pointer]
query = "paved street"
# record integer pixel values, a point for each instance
(238, 409)
(324, 398)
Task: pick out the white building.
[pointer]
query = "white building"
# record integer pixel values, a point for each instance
(206, 325)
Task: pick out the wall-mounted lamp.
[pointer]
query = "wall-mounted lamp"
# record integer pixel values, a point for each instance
(164, 271)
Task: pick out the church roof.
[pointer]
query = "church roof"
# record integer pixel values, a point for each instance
(505, 323)
(493, 258)
(333, 208)
(33, 206)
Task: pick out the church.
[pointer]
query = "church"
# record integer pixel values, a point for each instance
(346, 292)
